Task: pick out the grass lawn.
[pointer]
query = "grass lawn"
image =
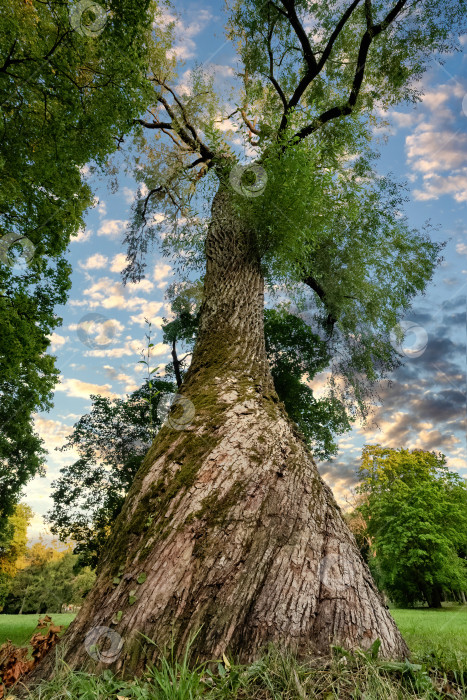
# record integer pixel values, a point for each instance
(437, 638)
(19, 628)
(424, 630)
(443, 631)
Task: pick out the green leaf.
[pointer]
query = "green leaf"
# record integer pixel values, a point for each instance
(374, 649)
(221, 670)
(142, 577)
(116, 580)
(131, 600)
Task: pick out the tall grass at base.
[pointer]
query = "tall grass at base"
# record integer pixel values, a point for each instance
(275, 676)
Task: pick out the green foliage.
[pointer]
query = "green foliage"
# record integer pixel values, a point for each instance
(416, 517)
(312, 78)
(296, 355)
(66, 97)
(112, 441)
(397, 57)
(19, 628)
(13, 541)
(45, 587)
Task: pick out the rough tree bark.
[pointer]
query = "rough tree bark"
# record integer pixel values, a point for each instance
(228, 520)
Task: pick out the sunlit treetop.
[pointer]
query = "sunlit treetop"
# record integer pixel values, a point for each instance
(311, 80)
(72, 80)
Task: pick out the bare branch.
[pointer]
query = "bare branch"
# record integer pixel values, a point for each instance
(368, 14)
(271, 68)
(316, 287)
(365, 43)
(301, 33)
(249, 124)
(316, 68)
(332, 40)
(153, 125)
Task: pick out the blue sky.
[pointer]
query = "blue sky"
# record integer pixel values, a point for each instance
(425, 404)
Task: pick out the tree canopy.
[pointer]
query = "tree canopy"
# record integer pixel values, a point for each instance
(13, 542)
(71, 83)
(415, 513)
(328, 228)
(111, 441)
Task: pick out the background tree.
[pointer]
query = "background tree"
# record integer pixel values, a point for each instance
(245, 543)
(114, 437)
(70, 85)
(13, 543)
(111, 440)
(44, 587)
(415, 513)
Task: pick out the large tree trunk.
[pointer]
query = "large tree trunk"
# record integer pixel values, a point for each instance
(228, 519)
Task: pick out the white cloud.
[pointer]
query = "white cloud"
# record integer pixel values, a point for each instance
(131, 347)
(161, 272)
(53, 432)
(149, 312)
(461, 248)
(129, 194)
(82, 390)
(112, 227)
(95, 262)
(185, 46)
(111, 295)
(437, 149)
(430, 152)
(82, 236)
(100, 331)
(117, 375)
(119, 262)
(437, 185)
(141, 286)
(57, 341)
(100, 206)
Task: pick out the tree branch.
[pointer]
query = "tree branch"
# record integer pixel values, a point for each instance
(176, 364)
(316, 68)
(316, 287)
(271, 76)
(365, 44)
(334, 36)
(301, 33)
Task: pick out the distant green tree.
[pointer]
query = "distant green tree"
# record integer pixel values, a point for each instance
(13, 542)
(45, 587)
(111, 440)
(415, 513)
(71, 84)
